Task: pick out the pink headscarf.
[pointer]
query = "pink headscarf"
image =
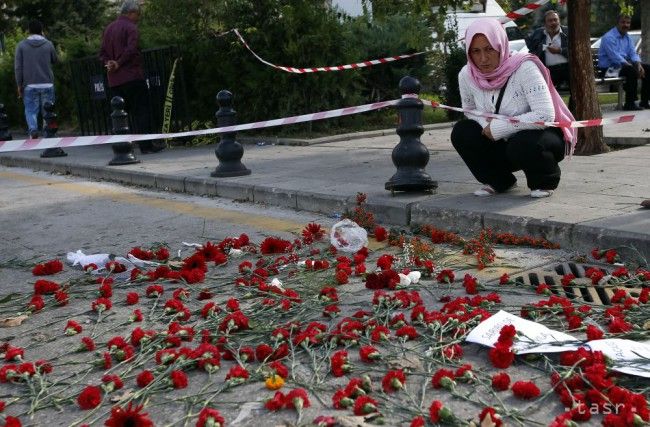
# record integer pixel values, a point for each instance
(508, 64)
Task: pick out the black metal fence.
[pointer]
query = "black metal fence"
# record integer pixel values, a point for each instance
(93, 96)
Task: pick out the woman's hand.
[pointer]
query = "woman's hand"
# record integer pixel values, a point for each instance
(487, 132)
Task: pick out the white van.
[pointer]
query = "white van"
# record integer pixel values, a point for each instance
(487, 9)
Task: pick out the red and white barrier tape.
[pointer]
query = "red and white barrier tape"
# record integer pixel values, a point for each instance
(298, 70)
(575, 124)
(521, 12)
(78, 141)
(510, 16)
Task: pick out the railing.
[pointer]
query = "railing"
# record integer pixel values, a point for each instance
(92, 93)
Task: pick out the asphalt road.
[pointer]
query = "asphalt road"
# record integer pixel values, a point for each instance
(45, 216)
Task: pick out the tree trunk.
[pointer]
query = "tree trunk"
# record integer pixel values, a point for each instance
(590, 140)
(645, 30)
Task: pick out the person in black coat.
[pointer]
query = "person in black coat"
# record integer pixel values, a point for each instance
(550, 44)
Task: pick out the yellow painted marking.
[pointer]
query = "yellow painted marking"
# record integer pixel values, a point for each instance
(260, 222)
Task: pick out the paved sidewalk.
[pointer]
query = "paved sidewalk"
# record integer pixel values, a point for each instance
(596, 205)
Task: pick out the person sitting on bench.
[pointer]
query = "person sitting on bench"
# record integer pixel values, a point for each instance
(617, 56)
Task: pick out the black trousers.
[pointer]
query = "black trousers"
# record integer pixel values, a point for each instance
(136, 103)
(536, 152)
(631, 75)
(560, 75)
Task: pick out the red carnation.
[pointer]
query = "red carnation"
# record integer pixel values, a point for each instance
(364, 405)
(339, 363)
(443, 378)
(90, 397)
(594, 333)
(297, 399)
(369, 354)
(132, 298)
(276, 402)
(393, 381)
(525, 390)
(210, 417)
(112, 382)
(380, 233)
(439, 413)
(50, 267)
(445, 276)
(501, 381)
(178, 378)
(501, 356)
(489, 417)
(144, 378)
(129, 416)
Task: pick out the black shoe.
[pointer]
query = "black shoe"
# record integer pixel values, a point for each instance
(34, 135)
(632, 107)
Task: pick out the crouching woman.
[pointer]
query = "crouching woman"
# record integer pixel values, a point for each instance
(515, 85)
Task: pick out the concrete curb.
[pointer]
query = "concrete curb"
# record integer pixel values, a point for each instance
(581, 237)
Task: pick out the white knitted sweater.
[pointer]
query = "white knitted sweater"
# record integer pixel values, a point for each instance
(526, 97)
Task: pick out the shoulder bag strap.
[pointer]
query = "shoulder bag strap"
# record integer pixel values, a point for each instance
(500, 98)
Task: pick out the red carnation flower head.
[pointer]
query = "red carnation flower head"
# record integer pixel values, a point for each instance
(276, 403)
(501, 356)
(101, 304)
(132, 298)
(380, 233)
(129, 416)
(443, 378)
(385, 261)
(393, 381)
(440, 414)
(72, 328)
(178, 379)
(505, 279)
(209, 417)
(364, 405)
(144, 378)
(237, 375)
(35, 304)
(47, 268)
(489, 417)
(112, 382)
(312, 233)
(525, 390)
(14, 354)
(501, 381)
(297, 399)
(369, 354)
(90, 397)
(339, 363)
(594, 333)
(61, 298)
(44, 287)
(446, 276)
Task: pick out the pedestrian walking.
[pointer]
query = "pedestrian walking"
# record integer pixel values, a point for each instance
(34, 76)
(516, 85)
(617, 56)
(120, 53)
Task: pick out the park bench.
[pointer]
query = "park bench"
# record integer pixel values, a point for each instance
(612, 84)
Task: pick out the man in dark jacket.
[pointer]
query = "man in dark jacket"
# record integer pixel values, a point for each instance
(551, 45)
(120, 53)
(34, 77)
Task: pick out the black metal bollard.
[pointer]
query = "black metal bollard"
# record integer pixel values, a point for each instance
(5, 135)
(51, 128)
(229, 151)
(123, 151)
(410, 156)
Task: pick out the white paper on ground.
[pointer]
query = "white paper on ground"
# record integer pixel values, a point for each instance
(142, 262)
(629, 357)
(536, 338)
(79, 258)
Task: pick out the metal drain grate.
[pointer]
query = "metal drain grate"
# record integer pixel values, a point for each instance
(585, 290)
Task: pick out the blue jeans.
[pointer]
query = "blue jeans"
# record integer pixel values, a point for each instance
(34, 100)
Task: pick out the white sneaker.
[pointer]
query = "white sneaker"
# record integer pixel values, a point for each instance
(488, 190)
(484, 191)
(539, 194)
